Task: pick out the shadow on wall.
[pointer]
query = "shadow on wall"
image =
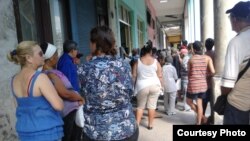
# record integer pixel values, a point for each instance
(7, 133)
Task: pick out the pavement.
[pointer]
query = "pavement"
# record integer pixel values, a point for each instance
(162, 130)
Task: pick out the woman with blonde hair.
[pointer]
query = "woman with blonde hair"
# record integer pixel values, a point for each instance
(38, 104)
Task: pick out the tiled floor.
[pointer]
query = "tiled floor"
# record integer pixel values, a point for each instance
(162, 130)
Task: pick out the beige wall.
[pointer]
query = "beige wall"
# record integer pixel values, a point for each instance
(8, 40)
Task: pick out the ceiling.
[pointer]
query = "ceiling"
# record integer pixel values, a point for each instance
(170, 13)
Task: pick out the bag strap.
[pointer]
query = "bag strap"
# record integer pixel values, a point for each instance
(243, 71)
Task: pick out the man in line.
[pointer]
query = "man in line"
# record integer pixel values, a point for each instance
(238, 52)
(66, 63)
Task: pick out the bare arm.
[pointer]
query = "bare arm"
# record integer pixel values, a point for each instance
(225, 90)
(134, 72)
(159, 73)
(180, 59)
(63, 91)
(189, 67)
(49, 92)
(211, 66)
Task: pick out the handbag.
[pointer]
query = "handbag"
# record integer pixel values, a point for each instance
(79, 119)
(220, 104)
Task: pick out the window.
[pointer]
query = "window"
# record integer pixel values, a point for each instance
(57, 23)
(41, 20)
(124, 15)
(148, 18)
(125, 28)
(140, 33)
(153, 23)
(101, 11)
(27, 20)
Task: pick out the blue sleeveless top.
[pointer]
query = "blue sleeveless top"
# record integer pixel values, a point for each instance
(36, 118)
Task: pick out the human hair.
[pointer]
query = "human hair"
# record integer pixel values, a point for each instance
(168, 59)
(190, 46)
(147, 48)
(197, 46)
(104, 39)
(184, 42)
(18, 55)
(69, 45)
(44, 47)
(209, 43)
(134, 52)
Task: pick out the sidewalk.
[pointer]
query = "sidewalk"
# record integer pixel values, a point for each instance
(162, 130)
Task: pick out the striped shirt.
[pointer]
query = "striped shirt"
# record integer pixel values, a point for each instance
(197, 74)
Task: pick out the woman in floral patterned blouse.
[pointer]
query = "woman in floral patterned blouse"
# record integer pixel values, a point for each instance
(106, 83)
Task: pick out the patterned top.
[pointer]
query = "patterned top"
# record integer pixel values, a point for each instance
(197, 75)
(106, 83)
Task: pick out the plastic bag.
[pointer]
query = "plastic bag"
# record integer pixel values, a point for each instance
(79, 119)
(178, 84)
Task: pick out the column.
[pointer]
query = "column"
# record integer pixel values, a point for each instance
(207, 19)
(222, 35)
(222, 31)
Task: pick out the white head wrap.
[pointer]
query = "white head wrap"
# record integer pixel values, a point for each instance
(50, 51)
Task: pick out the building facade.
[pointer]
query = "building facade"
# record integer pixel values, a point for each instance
(8, 41)
(55, 21)
(131, 23)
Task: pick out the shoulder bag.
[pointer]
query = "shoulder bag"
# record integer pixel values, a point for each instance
(221, 101)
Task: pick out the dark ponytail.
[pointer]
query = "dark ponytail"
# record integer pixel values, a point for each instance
(147, 48)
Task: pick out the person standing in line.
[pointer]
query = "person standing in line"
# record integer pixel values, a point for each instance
(124, 51)
(147, 75)
(184, 44)
(198, 67)
(190, 50)
(38, 104)
(176, 61)
(107, 87)
(184, 77)
(169, 81)
(209, 44)
(66, 63)
(71, 99)
(238, 54)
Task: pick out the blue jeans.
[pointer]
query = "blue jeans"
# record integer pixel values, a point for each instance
(233, 115)
(184, 84)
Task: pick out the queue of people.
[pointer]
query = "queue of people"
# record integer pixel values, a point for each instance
(47, 98)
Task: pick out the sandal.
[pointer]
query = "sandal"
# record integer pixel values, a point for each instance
(150, 128)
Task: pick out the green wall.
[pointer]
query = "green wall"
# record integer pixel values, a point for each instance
(137, 10)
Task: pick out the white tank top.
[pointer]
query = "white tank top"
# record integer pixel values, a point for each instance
(146, 75)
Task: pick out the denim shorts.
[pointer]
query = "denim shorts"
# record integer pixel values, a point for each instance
(201, 95)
